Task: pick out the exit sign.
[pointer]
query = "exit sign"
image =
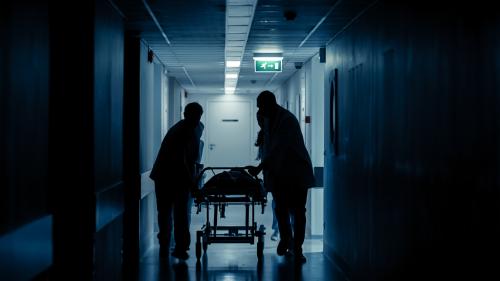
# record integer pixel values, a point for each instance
(268, 65)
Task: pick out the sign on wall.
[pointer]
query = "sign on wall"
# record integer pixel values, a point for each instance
(268, 65)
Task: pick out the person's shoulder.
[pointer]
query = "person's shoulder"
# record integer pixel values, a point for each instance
(175, 130)
(286, 115)
(178, 126)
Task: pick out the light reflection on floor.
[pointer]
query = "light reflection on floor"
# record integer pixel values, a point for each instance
(234, 262)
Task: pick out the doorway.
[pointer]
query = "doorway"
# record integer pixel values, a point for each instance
(228, 134)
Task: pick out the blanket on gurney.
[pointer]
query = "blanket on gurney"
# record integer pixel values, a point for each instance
(234, 182)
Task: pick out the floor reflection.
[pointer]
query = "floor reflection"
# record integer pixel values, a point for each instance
(235, 262)
(271, 268)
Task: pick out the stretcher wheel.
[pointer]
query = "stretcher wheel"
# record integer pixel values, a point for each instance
(260, 249)
(198, 250)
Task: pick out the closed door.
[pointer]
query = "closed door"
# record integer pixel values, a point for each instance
(228, 134)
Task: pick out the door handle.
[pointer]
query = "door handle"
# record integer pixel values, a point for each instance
(211, 146)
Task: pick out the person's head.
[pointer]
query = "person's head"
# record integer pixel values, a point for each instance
(192, 113)
(266, 102)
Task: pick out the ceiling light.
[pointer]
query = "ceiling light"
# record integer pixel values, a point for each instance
(233, 63)
(268, 56)
(231, 75)
(229, 90)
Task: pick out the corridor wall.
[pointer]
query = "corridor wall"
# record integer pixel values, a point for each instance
(412, 153)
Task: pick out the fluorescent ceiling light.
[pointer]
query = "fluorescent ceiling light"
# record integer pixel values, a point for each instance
(268, 58)
(229, 90)
(230, 83)
(233, 63)
(231, 75)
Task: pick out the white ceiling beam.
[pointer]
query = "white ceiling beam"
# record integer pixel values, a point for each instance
(235, 43)
(240, 2)
(237, 29)
(236, 36)
(239, 10)
(238, 20)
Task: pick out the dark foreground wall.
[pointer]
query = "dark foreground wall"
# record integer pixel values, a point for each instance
(25, 219)
(413, 170)
(108, 140)
(86, 139)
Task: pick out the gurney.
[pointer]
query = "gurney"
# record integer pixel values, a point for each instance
(233, 187)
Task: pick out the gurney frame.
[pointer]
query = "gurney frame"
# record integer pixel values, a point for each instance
(211, 232)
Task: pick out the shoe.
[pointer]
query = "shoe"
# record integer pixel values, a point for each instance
(275, 235)
(182, 255)
(282, 248)
(299, 258)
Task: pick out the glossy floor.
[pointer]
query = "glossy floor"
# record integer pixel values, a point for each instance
(234, 262)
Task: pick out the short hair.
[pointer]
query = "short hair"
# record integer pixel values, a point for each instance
(193, 110)
(266, 97)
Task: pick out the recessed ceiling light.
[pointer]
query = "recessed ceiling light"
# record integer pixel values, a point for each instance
(229, 90)
(231, 75)
(233, 63)
(268, 58)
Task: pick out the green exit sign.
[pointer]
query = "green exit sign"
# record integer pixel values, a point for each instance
(268, 65)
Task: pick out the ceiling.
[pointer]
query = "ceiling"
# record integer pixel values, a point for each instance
(193, 44)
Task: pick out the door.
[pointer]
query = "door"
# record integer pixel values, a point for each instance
(228, 134)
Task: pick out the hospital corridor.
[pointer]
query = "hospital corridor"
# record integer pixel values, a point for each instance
(249, 140)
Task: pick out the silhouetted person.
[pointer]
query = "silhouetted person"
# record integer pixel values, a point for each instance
(198, 166)
(261, 136)
(289, 172)
(174, 173)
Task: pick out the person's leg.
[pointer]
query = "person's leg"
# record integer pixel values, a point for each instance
(283, 217)
(164, 208)
(181, 225)
(189, 209)
(275, 228)
(298, 210)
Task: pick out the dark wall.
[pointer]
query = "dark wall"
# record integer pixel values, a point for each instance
(108, 92)
(490, 60)
(131, 155)
(71, 139)
(108, 140)
(414, 186)
(108, 261)
(86, 140)
(24, 120)
(24, 70)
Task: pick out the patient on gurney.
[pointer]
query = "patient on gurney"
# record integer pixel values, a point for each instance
(236, 181)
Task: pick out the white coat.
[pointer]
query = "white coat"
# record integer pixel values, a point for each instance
(286, 161)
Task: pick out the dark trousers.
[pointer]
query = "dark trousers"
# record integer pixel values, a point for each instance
(275, 220)
(176, 203)
(291, 205)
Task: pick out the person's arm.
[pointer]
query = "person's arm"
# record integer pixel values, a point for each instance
(276, 150)
(255, 170)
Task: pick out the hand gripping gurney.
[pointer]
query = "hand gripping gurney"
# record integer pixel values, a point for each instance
(233, 186)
